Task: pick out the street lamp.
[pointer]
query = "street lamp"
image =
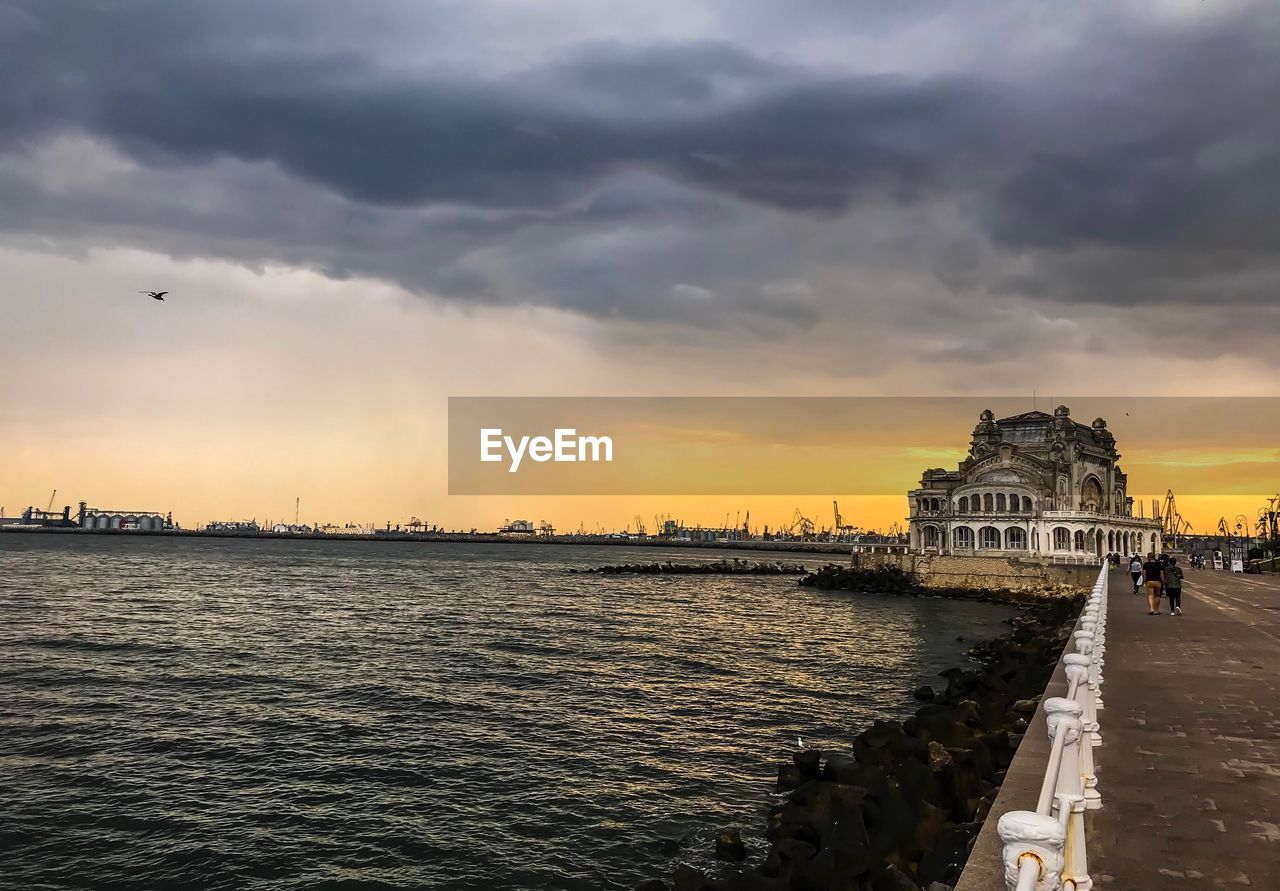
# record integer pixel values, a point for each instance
(1242, 522)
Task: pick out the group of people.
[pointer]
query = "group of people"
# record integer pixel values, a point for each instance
(1160, 576)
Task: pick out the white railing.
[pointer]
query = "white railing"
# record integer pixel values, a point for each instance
(1044, 849)
(1077, 559)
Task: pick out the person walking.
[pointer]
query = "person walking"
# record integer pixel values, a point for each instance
(1153, 575)
(1173, 586)
(1135, 570)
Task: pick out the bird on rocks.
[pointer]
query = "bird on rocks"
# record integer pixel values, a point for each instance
(155, 295)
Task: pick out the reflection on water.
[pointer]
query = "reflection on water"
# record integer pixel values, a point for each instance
(266, 714)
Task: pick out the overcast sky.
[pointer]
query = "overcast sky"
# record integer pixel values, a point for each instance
(364, 208)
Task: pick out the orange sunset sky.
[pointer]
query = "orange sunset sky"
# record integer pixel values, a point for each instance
(247, 389)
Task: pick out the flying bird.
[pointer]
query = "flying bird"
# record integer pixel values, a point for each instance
(155, 295)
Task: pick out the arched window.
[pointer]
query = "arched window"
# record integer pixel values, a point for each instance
(963, 537)
(1061, 538)
(989, 538)
(935, 504)
(1079, 540)
(1015, 538)
(1091, 494)
(1013, 503)
(931, 536)
(987, 503)
(964, 504)
(1026, 504)
(1000, 505)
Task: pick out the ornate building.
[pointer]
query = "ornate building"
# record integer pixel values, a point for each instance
(1033, 485)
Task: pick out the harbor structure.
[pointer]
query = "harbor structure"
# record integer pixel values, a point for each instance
(248, 527)
(34, 517)
(110, 518)
(1032, 485)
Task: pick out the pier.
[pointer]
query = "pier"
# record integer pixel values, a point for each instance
(1188, 771)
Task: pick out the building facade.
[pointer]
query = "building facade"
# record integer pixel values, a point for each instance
(1034, 485)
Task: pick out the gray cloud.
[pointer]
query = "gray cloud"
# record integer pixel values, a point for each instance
(614, 177)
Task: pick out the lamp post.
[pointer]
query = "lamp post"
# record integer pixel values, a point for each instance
(1242, 526)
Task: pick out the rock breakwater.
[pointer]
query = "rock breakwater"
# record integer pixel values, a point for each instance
(900, 811)
(718, 567)
(894, 580)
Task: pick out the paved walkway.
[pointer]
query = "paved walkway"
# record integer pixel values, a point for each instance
(1190, 767)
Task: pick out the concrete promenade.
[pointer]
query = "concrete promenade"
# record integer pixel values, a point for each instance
(1189, 769)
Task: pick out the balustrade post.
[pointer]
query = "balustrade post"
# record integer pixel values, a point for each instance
(1076, 869)
(1085, 642)
(1032, 838)
(1065, 715)
(1088, 626)
(1076, 666)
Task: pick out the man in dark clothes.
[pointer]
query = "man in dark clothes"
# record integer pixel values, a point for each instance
(1153, 572)
(1173, 586)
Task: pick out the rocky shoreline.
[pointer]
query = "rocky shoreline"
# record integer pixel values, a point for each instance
(901, 810)
(895, 581)
(717, 567)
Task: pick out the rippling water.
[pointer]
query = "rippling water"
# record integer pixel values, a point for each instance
(207, 713)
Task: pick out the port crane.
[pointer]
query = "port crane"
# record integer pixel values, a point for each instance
(1172, 524)
(1269, 518)
(800, 525)
(842, 528)
(51, 497)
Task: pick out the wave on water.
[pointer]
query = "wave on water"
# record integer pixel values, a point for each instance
(214, 713)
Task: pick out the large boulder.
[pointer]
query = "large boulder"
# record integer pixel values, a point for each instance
(729, 845)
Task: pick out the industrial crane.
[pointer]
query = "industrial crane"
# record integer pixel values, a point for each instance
(1172, 523)
(51, 497)
(842, 528)
(801, 525)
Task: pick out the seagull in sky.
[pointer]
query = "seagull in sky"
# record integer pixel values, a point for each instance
(155, 295)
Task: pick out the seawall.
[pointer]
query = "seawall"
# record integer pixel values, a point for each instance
(795, 547)
(994, 573)
(984, 870)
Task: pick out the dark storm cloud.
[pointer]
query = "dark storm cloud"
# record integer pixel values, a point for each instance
(658, 180)
(706, 113)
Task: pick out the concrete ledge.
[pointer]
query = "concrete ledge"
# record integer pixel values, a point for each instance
(977, 571)
(1020, 791)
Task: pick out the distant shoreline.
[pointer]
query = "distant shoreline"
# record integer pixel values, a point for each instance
(805, 547)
